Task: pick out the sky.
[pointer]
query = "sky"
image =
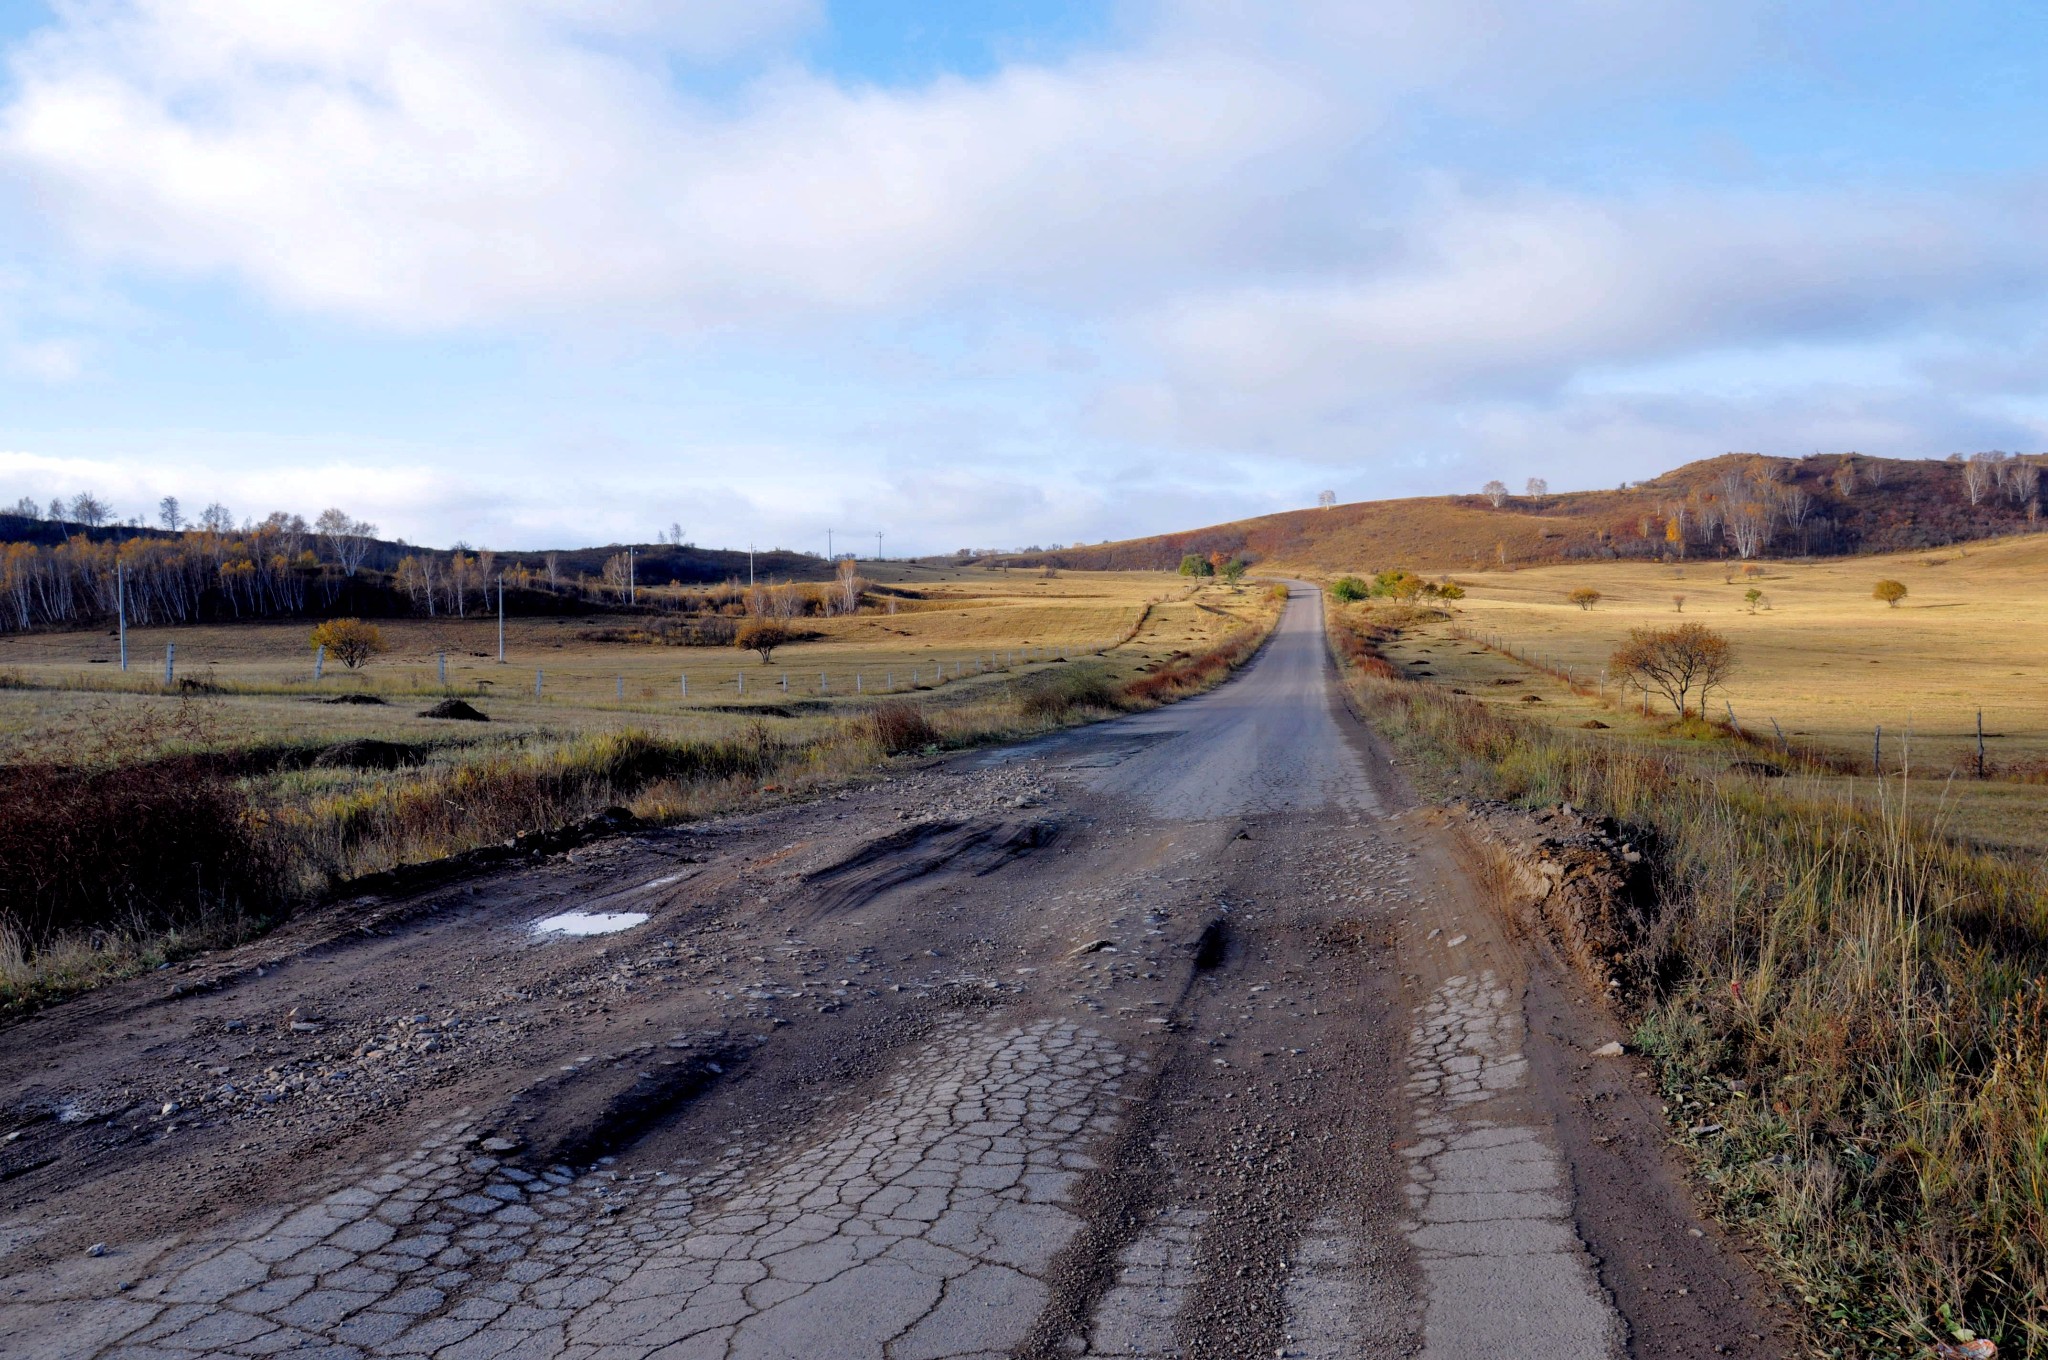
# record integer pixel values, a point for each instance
(531, 273)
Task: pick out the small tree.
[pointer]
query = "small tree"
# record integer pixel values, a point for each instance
(1495, 491)
(1678, 604)
(763, 636)
(1585, 597)
(1194, 564)
(1675, 661)
(170, 514)
(1755, 598)
(1537, 488)
(1233, 570)
(1891, 592)
(349, 641)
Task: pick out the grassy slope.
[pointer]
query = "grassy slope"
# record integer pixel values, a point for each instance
(1920, 503)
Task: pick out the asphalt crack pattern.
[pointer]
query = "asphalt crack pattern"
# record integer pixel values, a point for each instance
(1503, 1269)
(918, 1229)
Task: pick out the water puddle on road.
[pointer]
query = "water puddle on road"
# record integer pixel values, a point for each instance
(588, 922)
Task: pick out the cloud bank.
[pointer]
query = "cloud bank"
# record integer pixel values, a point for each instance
(1291, 245)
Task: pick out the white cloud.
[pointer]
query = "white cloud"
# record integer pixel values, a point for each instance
(1226, 242)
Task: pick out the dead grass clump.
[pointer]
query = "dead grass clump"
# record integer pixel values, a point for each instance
(1057, 693)
(898, 727)
(165, 843)
(1199, 672)
(456, 710)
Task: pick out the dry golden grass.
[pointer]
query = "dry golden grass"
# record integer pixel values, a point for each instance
(974, 623)
(1821, 656)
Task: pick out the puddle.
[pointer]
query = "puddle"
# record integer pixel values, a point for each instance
(588, 922)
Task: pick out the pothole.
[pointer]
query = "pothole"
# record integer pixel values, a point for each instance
(588, 922)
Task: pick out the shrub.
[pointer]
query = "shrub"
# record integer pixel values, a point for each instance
(349, 641)
(1585, 597)
(898, 727)
(164, 843)
(1891, 592)
(1755, 598)
(1349, 589)
(763, 636)
(1055, 693)
(1234, 569)
(1277, 593)
(1194, 564)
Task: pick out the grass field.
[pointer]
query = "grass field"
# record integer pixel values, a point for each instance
(1819, 655)
(144, 821)
(973, 628)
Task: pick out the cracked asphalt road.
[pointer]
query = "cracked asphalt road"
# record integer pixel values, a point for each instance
(1182, 1035)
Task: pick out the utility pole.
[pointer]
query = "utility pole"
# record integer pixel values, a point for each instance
(501, 618)
(828, 545)
(750, 566)
(878, 545)
(121, 609)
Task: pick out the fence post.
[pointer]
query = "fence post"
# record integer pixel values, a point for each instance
(121, 608)
(742, 678)
(686, 684)
(622, 687)
(1785, 747)
(441, 660)
(1980, 743)
(170, 660)
(536, 681)
(319, 661)
(1877, 749)
(824, 686)
(1731, 717)
(856, 682)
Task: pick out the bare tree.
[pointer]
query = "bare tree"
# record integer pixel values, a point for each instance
(217, 519)
(1749, 524)
(1675, 662)
(169, 514)
(554, 565)
(27, 508)
(2024, 484)
(849, 587)
(1980, 474)
(1326, 499)
(1845, 477)
(347, 538)
(1495, 491)
(1536, 487)
(89, 510)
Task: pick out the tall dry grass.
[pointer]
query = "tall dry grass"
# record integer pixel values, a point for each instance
(1845, 1009)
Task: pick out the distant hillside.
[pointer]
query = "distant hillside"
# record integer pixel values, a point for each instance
(1740, 505)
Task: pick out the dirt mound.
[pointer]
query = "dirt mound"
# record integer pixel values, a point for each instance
(365, 753)
(1578, 882)
(457, 709)
(354, 699)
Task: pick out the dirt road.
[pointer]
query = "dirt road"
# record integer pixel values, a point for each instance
(1179, 1035)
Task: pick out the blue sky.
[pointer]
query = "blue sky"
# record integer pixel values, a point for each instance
(532, 272)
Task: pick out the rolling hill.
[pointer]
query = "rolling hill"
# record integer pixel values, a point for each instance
(1743, 505)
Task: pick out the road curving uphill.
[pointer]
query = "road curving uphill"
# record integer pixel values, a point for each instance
(1180, 1035)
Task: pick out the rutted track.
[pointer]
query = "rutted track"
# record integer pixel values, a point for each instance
(1100, 1046)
